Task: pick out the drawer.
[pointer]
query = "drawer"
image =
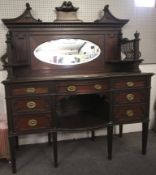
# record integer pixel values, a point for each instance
(29, 89)
(83, 87)
(128, 83)
(129, 97)
(22, 105)
(129, 113)
(32, 122)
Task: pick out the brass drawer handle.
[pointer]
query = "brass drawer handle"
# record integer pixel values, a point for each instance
(30, 90)
(130, 97)
(31, 104)
(32, 122)
(130, 113)
(97, 86)
(71, 88)
(130, 84)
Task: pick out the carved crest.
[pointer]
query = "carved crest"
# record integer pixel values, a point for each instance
(67, 13)
(67, 7)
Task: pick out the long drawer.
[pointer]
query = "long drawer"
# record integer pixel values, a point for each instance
(82, 87)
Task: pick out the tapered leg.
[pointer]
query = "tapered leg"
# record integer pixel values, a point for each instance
(55, 149)
(12, 153)
(109, 140)
(93, 135)
(144, 137)
(120, 130)
(17, 142)
(49, 138)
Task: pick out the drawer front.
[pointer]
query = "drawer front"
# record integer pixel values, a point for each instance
(128, 83)
(29, 89)
(128, 113)
(129, 97)
(32, 122)
(89, 87)
(30, 105)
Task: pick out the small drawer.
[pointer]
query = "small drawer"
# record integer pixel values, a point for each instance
(129, 97)
(128, 113)
(128, 83)
(29, 89)
(32, 122)
(88, 87)
(30, 104)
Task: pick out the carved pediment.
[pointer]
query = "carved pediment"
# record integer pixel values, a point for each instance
(26, 17)
(109, 18)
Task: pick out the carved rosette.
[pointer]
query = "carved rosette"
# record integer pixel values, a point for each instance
(4, 60)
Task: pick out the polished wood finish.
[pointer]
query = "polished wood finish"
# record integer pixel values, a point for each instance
(42, 97)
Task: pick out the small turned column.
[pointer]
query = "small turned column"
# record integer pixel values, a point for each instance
(136, 46)
(8, 65)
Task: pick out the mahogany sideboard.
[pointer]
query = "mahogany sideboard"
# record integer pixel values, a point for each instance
(50, 96)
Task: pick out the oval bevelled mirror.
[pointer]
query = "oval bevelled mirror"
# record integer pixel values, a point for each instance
(67, 51)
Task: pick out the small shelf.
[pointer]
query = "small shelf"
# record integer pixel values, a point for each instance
(125, 61)
(127, 65)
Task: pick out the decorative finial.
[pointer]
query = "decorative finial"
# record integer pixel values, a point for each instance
(106, 8)
(28, 6)
(136, 35)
